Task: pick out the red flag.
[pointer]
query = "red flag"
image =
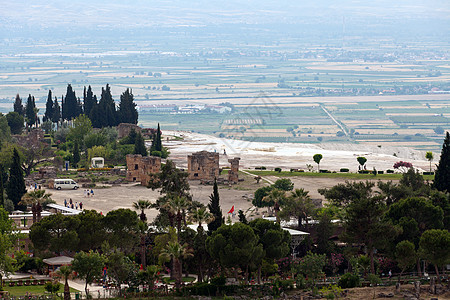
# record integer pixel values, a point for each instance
(231, 210)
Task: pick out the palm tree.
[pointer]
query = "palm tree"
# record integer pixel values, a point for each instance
(143, 229)
(200, 216)
(298, 205)
(65, 272)
(142, 205)
(35, 198)
(275, 198)
(177, 206)
(176, 252)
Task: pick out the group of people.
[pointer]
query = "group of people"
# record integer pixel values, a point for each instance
(70, 204)
(35, 186)
(88, 193)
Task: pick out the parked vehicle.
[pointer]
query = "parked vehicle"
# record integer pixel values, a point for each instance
(65, 184)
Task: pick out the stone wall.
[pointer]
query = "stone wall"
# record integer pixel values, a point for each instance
(125, 128)
(203, 165)
(33, 138)
(141, 168)
(233, 173)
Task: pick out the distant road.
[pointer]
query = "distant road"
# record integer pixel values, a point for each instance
(334, 120)
(273, 99)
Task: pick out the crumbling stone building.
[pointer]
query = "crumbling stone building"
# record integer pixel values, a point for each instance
(141, 168)
(203, 165)
(124, 129)
(233, 173)
(34, 138)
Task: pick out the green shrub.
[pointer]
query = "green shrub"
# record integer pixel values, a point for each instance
(390, 171)
(428, 173)
(349, 280)
(364, 171)
(278, 170)
(380, 172)
(156, 153)
(323, 171)
(300, 282)
(344, 170)
(220, 280)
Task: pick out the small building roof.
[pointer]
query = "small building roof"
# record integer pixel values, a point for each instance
(64, 210)
(58, 261)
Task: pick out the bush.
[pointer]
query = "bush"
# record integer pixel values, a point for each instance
(278, 170)
(364, 171)
(156, 153)
(300, 282)
(428, 173)
(220, 280)
(324, 171)
(380, 172)
(349, 280)
(344, 170)
(390, 171)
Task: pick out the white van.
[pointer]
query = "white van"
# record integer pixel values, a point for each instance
(65, 184)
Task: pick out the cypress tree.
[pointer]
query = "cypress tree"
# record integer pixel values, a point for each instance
(30, 113)
(139, 145)
(70, 105)
(88, 100)
(127, 108)
(16, 184)
(56, 116)
(156, 143)
(18, 106)
(79, 108)
(48, 107)
(76, 154)
(96, 117)
(132, 136)
(214, 209)
(2, 189)
(442, 175)
(107, 107)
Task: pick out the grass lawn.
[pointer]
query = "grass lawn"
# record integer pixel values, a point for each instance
(32, 289)
(184, 279)
(358, 176)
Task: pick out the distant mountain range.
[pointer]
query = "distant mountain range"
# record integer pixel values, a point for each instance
(142, 13)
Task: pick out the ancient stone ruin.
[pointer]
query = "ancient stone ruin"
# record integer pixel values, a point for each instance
(203, 165)
(233, 173)
(34, 138)
(125, 128)
(141, 168)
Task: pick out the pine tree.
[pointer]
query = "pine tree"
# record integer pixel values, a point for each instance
(156, 143)
(56, 116)
(127, 108)
(76, 154)
(88, 100)
(214, 209)
(30, 113)
(18, 107)
(16, 184)
(139, 145)
(48, 107)
(442, 175)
